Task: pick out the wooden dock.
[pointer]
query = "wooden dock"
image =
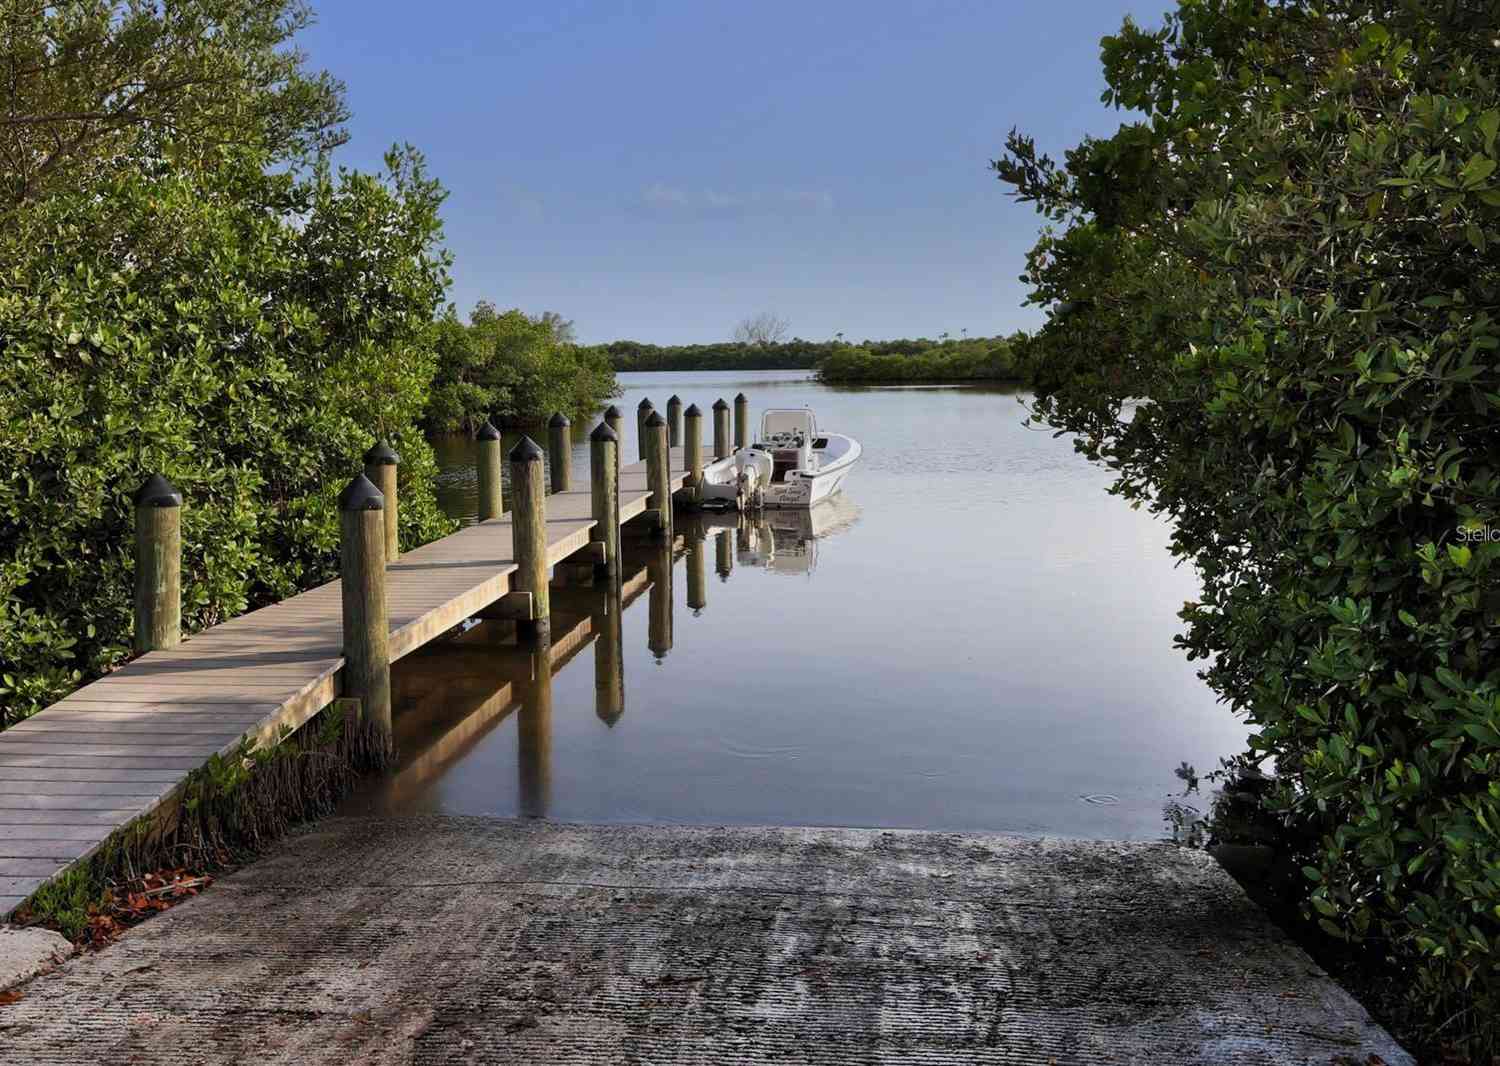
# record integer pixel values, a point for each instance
(118, 748)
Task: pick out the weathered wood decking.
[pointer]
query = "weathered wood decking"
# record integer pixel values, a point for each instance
(117, 748)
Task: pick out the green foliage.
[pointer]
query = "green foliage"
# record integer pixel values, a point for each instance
(987, 358)
(512, 368)
(90, 83)
(627, 356)
(246, 334)
(980, 359)
(1274, 305)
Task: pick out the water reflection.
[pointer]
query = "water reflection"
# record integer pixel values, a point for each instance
(450, 695)
(982, 639)
(534, 733)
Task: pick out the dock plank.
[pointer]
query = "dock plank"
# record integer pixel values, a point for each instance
(116, 748)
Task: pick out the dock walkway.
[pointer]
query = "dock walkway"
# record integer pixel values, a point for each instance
(116, 749)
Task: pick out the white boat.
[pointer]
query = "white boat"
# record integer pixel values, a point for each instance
(791, 464)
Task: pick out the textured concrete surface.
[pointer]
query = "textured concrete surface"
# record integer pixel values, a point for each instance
(24, 953)
(440, 939)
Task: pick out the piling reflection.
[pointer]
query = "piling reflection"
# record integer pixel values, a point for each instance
(534, 733)
(723, 554)
(609, 657)
(659, 554)
(452, 694)
(696, 537)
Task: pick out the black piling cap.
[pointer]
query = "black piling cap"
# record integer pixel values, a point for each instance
(674, 400)
(361, 495)
(612, 412)
(655, 419)
(526, 451)
(603, 432)
(487, 431)
(381, 454)
(720, 405)
(644, 405)
(741, 398)
(692, 412)
(559, 419)
(157, 491)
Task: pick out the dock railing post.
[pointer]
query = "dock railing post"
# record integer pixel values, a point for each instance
(741, 421)
(488, 445)
(642, 412)
(158, 565)
(616, 421)
(692, 450)
(658, 473)
(674, 421)
(721, 428)
(560, 452)
(604, 480)
(529, 533)
(381, 462)
(367, 651)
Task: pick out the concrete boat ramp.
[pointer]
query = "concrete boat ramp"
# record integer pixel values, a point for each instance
(440, 939)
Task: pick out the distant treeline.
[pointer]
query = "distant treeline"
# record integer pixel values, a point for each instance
(921, 359)
(978, 359)
(794, 354)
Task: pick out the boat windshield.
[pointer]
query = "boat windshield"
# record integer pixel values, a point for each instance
(784, 424)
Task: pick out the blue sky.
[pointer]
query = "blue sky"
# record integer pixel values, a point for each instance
(659, 171)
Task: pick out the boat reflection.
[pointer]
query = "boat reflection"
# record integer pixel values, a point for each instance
(783, 541)
(448, 696)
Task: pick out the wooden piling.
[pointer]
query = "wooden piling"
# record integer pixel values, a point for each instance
(721, 428)
(381, 462)
(741, 421)
(692, 450)
(488, 446)
(604, 480)
(616, 421)
(528, 515)
(674, 421)
(658, 473)
(158, 565)
(642, 412)
(367, 654)
(560, 452)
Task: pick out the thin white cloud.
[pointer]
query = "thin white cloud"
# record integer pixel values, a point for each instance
(662, 198)
(660, 195)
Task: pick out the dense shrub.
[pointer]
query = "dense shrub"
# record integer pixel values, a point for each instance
(512, 368)
(246, 334)
(1291, 261)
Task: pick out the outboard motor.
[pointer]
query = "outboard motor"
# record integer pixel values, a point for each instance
(754, 467)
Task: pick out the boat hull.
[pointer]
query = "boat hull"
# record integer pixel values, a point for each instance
(804, 492)
(747, 480)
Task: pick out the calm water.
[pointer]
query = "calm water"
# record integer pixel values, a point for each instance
(976, 636)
